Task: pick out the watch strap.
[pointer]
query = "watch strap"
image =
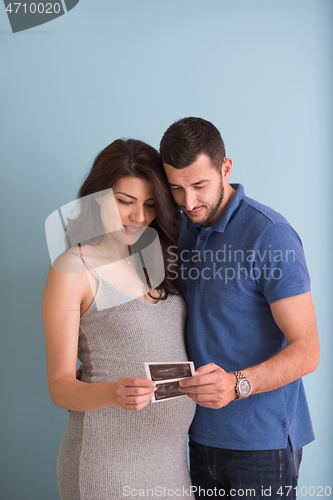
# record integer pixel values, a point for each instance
(239, 376)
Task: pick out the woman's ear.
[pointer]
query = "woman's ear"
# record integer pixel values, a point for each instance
(98, 199)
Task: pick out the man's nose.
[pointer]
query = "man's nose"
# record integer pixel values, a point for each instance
(190, 200)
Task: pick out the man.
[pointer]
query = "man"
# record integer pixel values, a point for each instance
(250, 330)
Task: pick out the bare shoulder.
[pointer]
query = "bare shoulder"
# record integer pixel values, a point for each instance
(67, 278)
(69, 262)
(69, 283)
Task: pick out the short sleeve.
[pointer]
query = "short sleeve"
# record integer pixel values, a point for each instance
(279, 266)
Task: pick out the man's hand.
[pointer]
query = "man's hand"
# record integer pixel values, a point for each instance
(211, 386)
(78, 377)
(134, 393)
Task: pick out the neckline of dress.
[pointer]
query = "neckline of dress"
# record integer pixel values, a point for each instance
(128, 294)
(101, 279)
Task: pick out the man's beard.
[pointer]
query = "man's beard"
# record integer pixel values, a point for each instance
(213, 209)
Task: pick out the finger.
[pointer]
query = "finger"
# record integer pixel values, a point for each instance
(211, 367)
(135, 407)
(198, 380)
(137, 400)
(137, 382)
(79, 373)
(200, 389)
(135, 403)
(200, 376)
(136, 391)
(188, 382)
(123, 393)
(201, 398)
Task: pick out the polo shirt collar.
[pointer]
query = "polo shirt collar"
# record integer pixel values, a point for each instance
(224, 218)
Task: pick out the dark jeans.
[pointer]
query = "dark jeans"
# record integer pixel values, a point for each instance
(218, 473)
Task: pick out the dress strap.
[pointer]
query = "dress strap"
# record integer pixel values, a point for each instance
(84, 260)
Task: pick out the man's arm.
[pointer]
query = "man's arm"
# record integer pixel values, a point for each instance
(295, 317)
(213, 387)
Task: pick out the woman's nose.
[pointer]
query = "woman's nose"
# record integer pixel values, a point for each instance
(138, 214)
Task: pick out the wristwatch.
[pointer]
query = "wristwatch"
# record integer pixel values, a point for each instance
(243, 386)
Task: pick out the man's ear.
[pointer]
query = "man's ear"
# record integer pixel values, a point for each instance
(226, 168)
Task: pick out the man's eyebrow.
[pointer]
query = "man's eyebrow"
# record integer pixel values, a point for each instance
(194, 183)
(133, 198)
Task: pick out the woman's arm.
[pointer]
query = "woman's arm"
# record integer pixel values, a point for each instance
(66, 295)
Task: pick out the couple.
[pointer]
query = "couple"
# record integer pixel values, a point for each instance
(240, 291)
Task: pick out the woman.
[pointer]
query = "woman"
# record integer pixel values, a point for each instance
(115, 309)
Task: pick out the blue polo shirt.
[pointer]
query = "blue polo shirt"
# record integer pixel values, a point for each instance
(233, 270)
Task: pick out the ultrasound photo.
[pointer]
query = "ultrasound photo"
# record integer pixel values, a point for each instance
(166, 371)
(168, 376)
(167, 391)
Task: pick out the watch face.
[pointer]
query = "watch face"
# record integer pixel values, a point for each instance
(245, 387)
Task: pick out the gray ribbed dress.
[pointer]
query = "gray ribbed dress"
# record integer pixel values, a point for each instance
(113, 454)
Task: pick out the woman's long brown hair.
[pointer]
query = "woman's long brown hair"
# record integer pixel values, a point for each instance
(131, 158)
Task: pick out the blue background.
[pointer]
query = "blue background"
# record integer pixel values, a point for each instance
(260, 70)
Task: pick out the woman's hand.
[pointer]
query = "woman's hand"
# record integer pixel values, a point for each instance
(133, 394)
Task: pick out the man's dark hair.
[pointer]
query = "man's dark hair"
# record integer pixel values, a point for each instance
(186, 139)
